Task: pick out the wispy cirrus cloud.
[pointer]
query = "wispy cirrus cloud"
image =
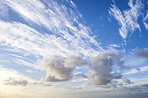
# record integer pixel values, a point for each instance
(137, 70)
(144, 21)
(66, 32)
(127, 19)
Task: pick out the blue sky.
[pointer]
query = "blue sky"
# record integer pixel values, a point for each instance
(73, 48)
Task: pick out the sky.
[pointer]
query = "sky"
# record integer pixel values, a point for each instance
(73, 48)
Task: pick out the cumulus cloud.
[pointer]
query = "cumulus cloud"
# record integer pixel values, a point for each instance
(128, 18)
(16, 82)
(59, 68)
(141, 52)
(101, 68)
(125, 80)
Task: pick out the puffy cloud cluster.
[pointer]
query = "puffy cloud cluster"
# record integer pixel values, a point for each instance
(14, 82)
(59, 68)
(101, 68)
(141, 52)
(128, 81)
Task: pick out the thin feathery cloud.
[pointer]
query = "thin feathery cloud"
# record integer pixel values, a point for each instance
(146, 25)
(33, 42)
(128, 18)
(144, 21)
(57, 18)
(137, 70)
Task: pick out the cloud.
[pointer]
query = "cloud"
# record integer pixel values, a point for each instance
(3, 29)
(60, 69)
(101, 68)
(141, 52)
(144, 21)
(15, 82)
(128, 18)
(31, 71)
(137, 70)
(14, 78)
(146, 25)
(65, 24)
(43, 29)
(124, 79)
(81, 75)
(36, 44)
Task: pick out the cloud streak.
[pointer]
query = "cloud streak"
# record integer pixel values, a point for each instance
(14, 82)
(63, 22)
(128, 18)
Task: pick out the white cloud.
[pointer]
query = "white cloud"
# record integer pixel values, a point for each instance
(13, 76)
(31, 71)
(68, 34)
(128, 18)
(144, 21)
(3, 29)
(15, 82)
(124, 79)
(139, 70)
(101, 68)
(114, 45)
(146, 25)
(59, 68)
(3, 10)
(33, 42)
(146, 17)
(58, 19)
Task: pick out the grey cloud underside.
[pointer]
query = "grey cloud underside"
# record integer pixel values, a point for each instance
(141, 52)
